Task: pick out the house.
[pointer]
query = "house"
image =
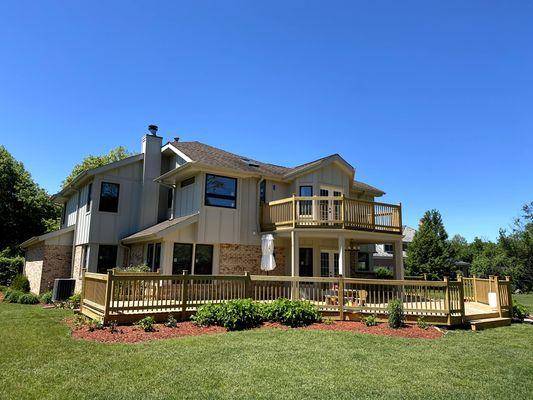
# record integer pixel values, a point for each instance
(190, 206)
(384, 254)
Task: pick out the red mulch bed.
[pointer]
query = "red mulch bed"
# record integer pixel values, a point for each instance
(134, 334)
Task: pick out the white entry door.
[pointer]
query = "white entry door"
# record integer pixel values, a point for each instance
(330, 210)
(329, 263)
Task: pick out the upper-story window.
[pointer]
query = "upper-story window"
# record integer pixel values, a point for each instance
(89, 194)
(109, 197)
(220, 191)
(388, 248)
(262, 191)
(170, 195)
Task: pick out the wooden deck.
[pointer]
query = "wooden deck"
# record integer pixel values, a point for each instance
(126, 297)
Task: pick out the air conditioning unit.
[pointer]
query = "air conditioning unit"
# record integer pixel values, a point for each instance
(63, 289)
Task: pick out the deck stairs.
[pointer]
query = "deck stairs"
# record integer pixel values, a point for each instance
(487, 323)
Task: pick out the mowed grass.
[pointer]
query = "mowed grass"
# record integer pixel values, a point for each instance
(40, 360)
(525, 299)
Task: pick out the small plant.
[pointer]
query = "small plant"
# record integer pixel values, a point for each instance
(46, 297)
(113, 327)
(12, 295)
(74, 301)
(371, 320)
(328, 321)
(28, 298)
(383, 273)
(520, 311)
(422, 323)
(147, 324)
(20, 282)
(79, 321)
(136, 268)
(171, 322)
(396, 315)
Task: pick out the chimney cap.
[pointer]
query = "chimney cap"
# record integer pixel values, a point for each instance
(176, 138)
(153, 129)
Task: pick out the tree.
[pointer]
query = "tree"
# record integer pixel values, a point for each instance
(460, 249)
(430, 251)
(90, 162)
(25, 208)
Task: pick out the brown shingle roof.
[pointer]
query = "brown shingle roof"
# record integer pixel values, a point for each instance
(216, 157)
(157, 228)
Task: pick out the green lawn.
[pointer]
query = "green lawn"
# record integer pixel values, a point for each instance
(41, 360)
(525, 299)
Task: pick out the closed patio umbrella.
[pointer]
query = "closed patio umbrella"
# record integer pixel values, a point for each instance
(267, 259)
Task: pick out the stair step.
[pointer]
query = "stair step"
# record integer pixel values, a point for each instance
(488, 323)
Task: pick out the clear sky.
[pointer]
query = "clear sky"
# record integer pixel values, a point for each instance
(430, 101)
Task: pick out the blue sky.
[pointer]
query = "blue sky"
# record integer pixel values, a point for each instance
(430, 101)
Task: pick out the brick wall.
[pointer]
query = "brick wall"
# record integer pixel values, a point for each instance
(235, 259)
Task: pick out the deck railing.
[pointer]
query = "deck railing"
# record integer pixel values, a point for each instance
(331, 212)
(480, 290)
(129, 296)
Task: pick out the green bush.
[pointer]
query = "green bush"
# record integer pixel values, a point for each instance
(20, 282)
(236, 315)
(294, 313)
(520, 311)
(46, 297)
(396, 315)
(422, 323)
(28, 298)
(371, 320)
(136, 268)
(383, 273)
(208, 315)
(12, 296)
(147, 324)
(3, 288)
(74, 301)
(9, 268)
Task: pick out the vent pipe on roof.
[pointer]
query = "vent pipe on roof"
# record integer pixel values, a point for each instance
(153, 129)
(176, 139)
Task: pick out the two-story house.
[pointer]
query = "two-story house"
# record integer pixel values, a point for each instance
(190, 206)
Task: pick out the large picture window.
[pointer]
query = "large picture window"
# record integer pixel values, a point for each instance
(109, 193)
(220, 191)
(182, 258)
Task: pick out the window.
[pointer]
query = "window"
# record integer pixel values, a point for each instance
(187, 182)
(107, 258)
(306, 262)
(109, 197)
(64, 214)
(182, 258)
(85, 258)
(220, 191)
(153, 256)
(306, 191)
(203, 260)
(363, 262)
(306, 206)
(388, 248)
(170, 195)
(262, 191)
(89, 194)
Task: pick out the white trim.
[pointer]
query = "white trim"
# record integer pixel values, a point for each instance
(175, 150)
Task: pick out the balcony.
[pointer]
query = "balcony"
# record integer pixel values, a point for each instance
(331, 213)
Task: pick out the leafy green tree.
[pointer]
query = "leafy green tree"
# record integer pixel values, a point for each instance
(90, 162)
(430, 252)
(25, 208)
(460, 249)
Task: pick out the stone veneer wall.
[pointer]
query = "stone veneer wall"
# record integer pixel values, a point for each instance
(45, 263)
(136, 256)
(33, 266)
(235, 259)
(77, 267)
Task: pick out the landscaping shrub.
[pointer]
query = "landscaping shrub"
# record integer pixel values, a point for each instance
(28, 298)
(46, 297)
(136, 268)
(171, 322)
(520, 311)
(9, 268)
(3, 288)
(147, 324)
(396, 315)
(208, 315)
(20, 282)
(12, 296)
(383, 273)
(371, 320)
(294, 313)
(113, 327)
(422, 323)
(236, 315)
(74, 301)
(96, 325)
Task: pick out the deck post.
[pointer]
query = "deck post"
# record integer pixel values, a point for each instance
(293, 210)
(461, 297)
(509, 296)
(447, 301)
(107, 301)
(398, 260)
(341, 297)
(497, 291)
(342, 210)
(295, 263)
(82, 289)
(247, 285)
(342, 255)
(184, 293)
(474, 287)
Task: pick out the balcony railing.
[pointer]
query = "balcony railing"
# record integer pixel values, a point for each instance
(331, 212)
